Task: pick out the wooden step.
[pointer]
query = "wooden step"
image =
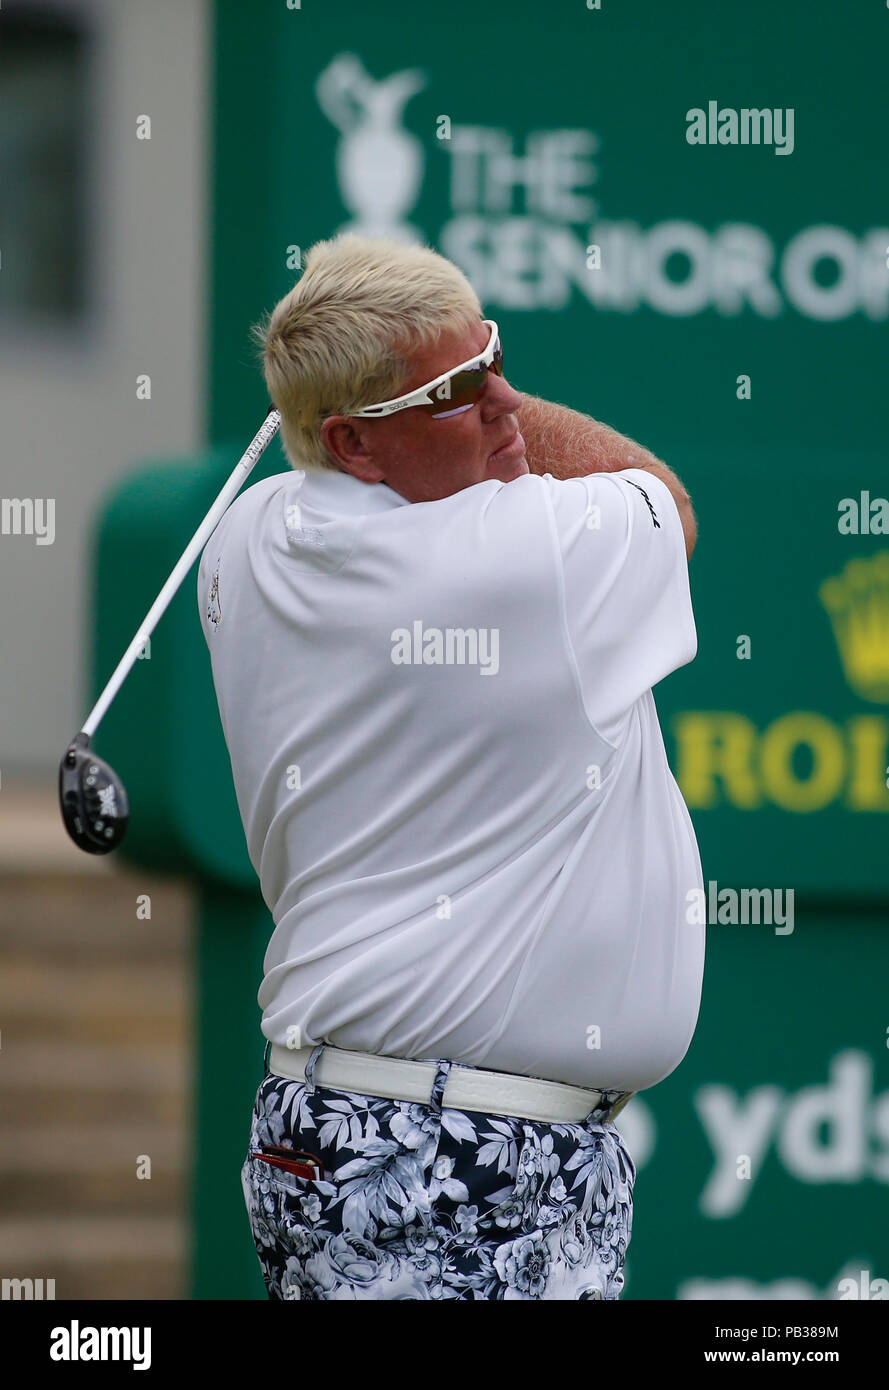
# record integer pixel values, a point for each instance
(40, 1061)
(93, 1166)
(106, 999)
(68, 916)
(96, 1060)
(94, 1256)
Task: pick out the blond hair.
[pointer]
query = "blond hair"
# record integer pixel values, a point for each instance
(341, 339)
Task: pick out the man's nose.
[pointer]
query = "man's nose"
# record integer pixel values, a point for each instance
(501, 397)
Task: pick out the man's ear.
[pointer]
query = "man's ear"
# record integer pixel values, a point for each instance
(345, 443)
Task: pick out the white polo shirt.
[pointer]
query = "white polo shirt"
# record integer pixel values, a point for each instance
(450, 771)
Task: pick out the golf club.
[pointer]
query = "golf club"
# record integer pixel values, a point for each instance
(93, 800)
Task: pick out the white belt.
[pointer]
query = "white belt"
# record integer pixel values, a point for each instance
(467, 1088)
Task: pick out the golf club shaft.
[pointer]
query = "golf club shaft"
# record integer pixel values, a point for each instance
(263, 437)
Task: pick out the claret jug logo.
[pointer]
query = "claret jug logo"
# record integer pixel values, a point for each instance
(379, 164)
(723, 758)
(524, 219)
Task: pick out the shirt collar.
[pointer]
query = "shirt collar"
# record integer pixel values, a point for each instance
(339, 494)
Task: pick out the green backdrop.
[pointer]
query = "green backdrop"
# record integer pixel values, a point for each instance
(734, 320)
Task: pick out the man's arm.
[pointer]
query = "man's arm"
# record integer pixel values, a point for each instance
(566, 444)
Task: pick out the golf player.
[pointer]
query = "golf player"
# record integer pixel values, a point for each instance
(433, 641)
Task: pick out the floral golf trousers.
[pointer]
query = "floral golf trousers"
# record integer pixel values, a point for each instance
(420, 1202)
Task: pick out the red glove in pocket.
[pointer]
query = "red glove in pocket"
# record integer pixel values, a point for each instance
(291, 1161)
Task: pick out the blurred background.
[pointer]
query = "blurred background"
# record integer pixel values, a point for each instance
(163, 168)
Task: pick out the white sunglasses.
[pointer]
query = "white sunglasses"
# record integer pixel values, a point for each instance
(453, 391)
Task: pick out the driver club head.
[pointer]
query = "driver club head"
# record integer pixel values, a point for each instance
(93, 800)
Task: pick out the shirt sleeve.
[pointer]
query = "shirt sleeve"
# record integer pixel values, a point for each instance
(627, 602)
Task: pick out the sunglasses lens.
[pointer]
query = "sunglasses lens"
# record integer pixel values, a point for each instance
(458, 392)
(461, 391)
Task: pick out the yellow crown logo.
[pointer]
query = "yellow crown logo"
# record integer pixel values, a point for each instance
(857, 603)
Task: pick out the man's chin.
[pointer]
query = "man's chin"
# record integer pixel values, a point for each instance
(506, 472)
